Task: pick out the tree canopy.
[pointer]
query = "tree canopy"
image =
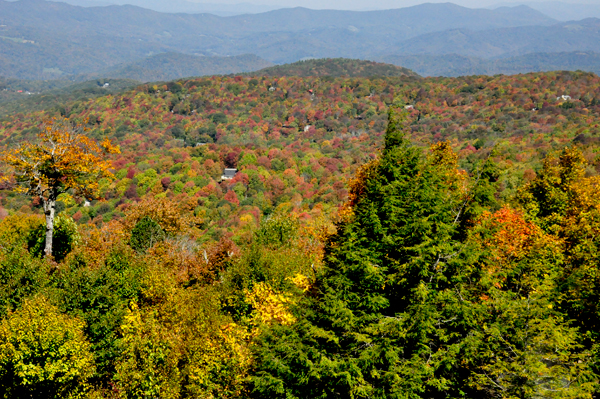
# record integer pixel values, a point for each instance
(63, 161)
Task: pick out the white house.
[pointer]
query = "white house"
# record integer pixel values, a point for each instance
(228, 174)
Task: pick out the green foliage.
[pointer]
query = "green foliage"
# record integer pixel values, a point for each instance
(145, 234)
(43, 353)
(406, 306)
(65, 238)
(219, 117)
(100, 297)
(335, 67)
(277, 230)
(21, 276)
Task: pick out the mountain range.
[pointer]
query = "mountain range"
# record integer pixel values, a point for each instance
(181, 6)
(558, 10)
(460, 65)
(50, 40)
(41, 39)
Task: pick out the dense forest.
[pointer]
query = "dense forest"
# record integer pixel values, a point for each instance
(383, 237)
(334, 67)
(24, 96)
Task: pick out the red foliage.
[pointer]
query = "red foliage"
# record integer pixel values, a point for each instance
(130, 172)
(231, 196)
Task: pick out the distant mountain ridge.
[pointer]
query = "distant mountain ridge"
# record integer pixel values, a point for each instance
(460, 65)
(558, 10)
(172, 66)
(43, 40)
(581, 35)
(179, 6)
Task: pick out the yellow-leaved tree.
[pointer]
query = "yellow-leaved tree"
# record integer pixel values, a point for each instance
(63, 160)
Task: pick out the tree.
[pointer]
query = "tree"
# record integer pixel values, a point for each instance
(376, 323)
(413, 303)
(63, 160)
(43, 353)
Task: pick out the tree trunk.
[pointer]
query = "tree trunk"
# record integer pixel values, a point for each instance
(49, 209)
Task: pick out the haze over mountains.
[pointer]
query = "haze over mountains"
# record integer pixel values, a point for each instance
(49, 40)
(181, 6)
(559, 10)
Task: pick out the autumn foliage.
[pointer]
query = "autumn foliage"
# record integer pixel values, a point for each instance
(448, 248)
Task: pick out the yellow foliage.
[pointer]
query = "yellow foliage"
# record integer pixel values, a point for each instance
(67, 199)
(63, 159)
(14, 228)
(443, 154)
(173, 217)
(246, 219)
(217, 354)
(148, 364)
(43, 348)
(301, 281)
(182, 343)
(271, 306)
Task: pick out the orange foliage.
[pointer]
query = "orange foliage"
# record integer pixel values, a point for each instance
(97, 242)
(357, 185)
(64, 159)
(173, 217)
(513, 237)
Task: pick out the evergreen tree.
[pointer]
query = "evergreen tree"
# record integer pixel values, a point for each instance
(370, 329)
(412, 303)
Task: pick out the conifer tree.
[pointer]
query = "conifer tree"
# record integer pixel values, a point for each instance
(391, 254)
(414, 303)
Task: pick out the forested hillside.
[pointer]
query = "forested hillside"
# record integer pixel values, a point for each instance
(335, 67)
(383, 236)
(295, 137)
(171, 66)
(461, 65)
(23, 96)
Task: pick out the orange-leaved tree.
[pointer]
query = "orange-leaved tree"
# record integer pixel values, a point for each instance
(63, 160)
